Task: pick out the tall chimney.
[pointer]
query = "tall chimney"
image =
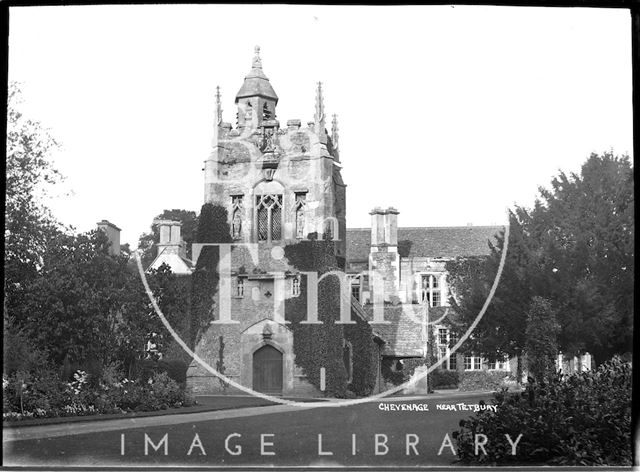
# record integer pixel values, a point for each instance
(391, 226)
(113, 235)
(170, 238)
(377, 226)
(384, 261)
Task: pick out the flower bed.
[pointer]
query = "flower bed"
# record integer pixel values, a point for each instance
(44, 395)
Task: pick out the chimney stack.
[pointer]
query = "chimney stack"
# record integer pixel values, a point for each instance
(384, 226)
(384, 261)
(113, 235)
(170, 238)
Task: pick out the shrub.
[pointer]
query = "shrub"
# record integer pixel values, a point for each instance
(482, 380)
(541, 338)
(392, 372)
(20, 352)
(441, 378)
(582, 419)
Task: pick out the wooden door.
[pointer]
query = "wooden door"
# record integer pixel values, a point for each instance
(267, 370)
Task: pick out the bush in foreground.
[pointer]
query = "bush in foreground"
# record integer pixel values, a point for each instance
(580, 419)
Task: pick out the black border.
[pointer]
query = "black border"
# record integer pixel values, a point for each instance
(634, 9)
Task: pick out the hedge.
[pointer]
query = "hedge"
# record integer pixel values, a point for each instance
(482, 380)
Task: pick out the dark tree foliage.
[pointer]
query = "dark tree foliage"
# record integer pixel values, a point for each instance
(501, 330)
(574, 248)
(71, 308)
(213, 227)
(541, 345)
(148, 241)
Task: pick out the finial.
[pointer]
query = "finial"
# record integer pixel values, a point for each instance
(334, 131)
(218, 106)
(319, 117)
(257, 62)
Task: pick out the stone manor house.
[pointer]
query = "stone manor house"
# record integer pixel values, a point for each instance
(280, 184)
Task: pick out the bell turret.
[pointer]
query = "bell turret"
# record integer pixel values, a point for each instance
(256, 99)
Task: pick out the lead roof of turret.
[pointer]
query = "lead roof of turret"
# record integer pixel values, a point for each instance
(256, 83)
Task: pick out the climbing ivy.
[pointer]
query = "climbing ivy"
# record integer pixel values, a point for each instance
(213, 227)
(365, 356)
(316, 346)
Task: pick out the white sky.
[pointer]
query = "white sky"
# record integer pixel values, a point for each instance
(450, 114)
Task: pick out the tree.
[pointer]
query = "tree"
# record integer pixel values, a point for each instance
(71, 307)
(542, 339)
(589, 259)
(139, 323)
(574, 248)
(501, 330)
(29, 175)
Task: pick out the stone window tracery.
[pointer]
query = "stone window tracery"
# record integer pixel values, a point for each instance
(269, 217)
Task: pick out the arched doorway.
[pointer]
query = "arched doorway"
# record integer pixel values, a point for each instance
(267, 370)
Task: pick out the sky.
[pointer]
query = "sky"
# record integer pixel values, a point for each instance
(451, 114)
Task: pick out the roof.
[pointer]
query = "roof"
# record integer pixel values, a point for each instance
(403, 336)
(107, 223)
(179, 265)
(256, 83)
(451, 241)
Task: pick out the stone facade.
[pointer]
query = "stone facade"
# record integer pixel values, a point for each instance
(280, 185)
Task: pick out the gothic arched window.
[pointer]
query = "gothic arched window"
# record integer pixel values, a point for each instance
(269, 217)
